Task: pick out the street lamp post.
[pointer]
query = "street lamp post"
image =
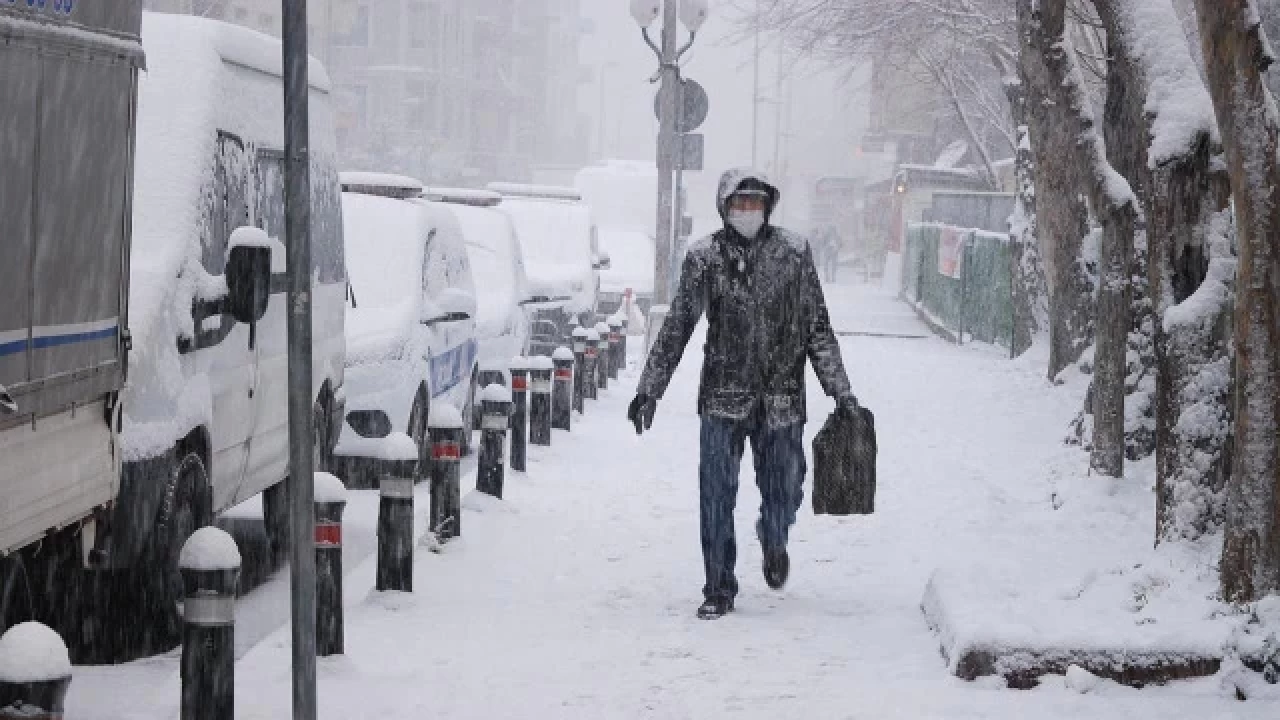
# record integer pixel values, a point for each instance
(692, 13)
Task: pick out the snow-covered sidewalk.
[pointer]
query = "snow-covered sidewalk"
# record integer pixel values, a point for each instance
(574, 597)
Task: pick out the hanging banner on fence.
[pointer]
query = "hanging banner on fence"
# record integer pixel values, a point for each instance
(950, 252)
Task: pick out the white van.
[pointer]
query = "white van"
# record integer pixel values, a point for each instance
(411, 330)
(562, 256)
(505, 303)
(205, 424)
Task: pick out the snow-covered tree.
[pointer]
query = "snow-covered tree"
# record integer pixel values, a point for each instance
(1237, 57)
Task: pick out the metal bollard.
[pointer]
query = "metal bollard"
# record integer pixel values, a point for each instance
(395, 525)
(444, 429)
(39, 692)
(562, 391)
(519, 413)
(495, 416)
(615, 347)
(602, 356)
(540, 369)
(330, 501)
(579, 368)
(210, 566)
(590, 387)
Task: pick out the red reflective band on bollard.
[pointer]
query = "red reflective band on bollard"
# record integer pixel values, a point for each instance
(519, 384)
(328, 535)
(564, 374)
(448, 452)
(614, 337)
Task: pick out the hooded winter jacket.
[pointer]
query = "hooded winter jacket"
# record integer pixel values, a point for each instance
(765, 314)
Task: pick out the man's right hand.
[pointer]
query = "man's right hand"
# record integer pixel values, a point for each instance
(641, 412)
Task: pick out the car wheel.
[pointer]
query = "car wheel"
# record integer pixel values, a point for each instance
(15, 593)
(469, 410)
(183, 511)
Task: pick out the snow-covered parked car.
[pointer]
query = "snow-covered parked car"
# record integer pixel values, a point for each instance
(411, 328)
(504, 302)
(630, 273)
(205, 407)
(562, 257)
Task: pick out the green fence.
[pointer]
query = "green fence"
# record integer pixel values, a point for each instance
(960, 278)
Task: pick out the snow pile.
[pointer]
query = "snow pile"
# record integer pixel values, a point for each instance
(562, 353)
(495, 393)
(330, 490)
(1177, 98)
(31, 652)
(445, 416)
(396, 447)
(541, 362)
(209, 549)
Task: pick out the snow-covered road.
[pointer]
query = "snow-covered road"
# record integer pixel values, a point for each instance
(575, 597)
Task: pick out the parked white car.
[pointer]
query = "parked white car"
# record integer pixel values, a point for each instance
(562, 256)
(205, 406)
(630, 272)
(411, 328)
(504, 302)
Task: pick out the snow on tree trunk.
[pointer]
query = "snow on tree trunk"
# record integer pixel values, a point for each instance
(1113, 204)
(1236, 57)
(1030, 291)
(1062, 216)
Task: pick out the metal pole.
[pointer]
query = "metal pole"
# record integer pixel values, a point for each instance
(297, 196)
(755, 90)
(666, 156)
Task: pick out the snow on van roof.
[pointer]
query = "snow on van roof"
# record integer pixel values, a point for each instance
(384, 184)
(463, 196)
(549, 192)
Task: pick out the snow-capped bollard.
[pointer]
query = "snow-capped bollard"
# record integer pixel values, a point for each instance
(35, 672)
(495, 416)
(444, 429)
(562, 392)
(602, 356)
(579, 367)
(330, 501)
(540, 370)
(615, 347)
(395, 519)
(590, 387)
(210, 566)
(519, 413)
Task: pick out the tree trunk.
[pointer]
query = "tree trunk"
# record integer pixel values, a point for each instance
(1062, 217)
(1030, 291)
(1236, 57)
(1112, 202)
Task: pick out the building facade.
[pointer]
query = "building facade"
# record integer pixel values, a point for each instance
(457, 92)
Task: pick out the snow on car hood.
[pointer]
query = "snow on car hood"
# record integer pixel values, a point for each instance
(378, 334)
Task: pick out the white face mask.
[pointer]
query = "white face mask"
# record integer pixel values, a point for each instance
(747, 222)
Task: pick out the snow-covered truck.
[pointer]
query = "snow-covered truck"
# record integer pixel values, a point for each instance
(67, 109)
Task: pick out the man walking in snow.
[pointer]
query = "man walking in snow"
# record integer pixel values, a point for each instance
(766, 314)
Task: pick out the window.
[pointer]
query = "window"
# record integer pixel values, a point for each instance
(357, 33)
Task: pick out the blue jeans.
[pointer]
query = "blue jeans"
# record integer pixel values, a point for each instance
(780, 469)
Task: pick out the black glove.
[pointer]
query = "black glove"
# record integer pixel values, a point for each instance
(641, 412)
(847, 405)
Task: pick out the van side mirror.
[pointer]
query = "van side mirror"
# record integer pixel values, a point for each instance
(248, 275)
(454, 305)
(603, 262)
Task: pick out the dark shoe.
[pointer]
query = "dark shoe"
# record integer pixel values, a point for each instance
(776, 568)
(715, 608)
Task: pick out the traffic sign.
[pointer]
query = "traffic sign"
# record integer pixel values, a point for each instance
(692, 151)
(691, 107)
